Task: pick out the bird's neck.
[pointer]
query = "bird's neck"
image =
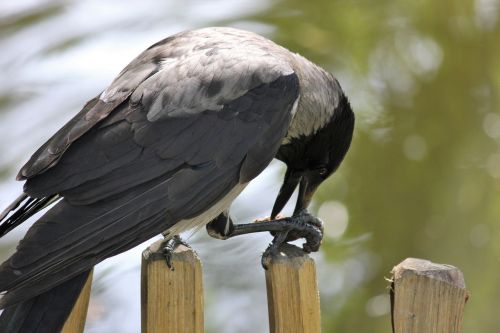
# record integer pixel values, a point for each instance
(318, 98)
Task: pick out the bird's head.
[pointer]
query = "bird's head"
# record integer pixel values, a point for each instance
(312, 158)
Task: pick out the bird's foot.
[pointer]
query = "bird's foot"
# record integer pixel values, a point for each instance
(302, 225)
(168, 248)
(287, 229)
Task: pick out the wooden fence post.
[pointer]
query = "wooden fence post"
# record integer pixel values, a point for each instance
(171, 300)
(76, 320)
(427, 297)
(292, 292)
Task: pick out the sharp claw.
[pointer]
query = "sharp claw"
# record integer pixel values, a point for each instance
(279, 239)
(313, 242)
(169, 248)
(304, 225)
(167, 251)
(272, 249)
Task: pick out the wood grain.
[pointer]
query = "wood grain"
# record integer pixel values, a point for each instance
(292, 292)
(76, 320)
(427, 297)
(172, 300)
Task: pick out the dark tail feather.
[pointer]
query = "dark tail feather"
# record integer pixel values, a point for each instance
(22, 208)
(45, 313)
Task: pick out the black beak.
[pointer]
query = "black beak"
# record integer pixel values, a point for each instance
(290, 182)
(308, 185)
(309, 182)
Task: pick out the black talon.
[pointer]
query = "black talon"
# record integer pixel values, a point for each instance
(279, 239)
(301, 220)
(272, 249)
(302, 225)
(169, 247)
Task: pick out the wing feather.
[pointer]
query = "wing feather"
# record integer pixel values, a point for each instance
(126, 175)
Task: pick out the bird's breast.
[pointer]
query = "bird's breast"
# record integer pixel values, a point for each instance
(208, 215)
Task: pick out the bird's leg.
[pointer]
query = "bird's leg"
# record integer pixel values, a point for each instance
(221, 227)
(302, 225)
(168, 247)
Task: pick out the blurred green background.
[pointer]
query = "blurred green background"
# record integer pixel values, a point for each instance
(422, 178)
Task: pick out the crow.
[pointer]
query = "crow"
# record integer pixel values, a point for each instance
(166, 148)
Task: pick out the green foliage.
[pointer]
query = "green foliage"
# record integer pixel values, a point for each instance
(422, 176)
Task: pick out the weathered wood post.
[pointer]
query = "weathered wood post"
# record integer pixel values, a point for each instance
(292, 292)
(171, 300)
(427, 297)
(76, 320)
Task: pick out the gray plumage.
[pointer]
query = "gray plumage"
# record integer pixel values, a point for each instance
(174, 138)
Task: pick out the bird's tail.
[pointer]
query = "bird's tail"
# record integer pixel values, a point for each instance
(45, 313)
(21, 209)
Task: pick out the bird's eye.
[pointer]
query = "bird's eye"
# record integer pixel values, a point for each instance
(322, 171)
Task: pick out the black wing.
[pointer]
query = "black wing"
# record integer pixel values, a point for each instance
(156, 158)
(22, 209)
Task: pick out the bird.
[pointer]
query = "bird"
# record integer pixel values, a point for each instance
(165, 148)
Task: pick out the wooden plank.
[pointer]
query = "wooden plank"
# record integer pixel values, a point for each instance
(76, 320)
(427, 297)
(292, 292)
(171, 300)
